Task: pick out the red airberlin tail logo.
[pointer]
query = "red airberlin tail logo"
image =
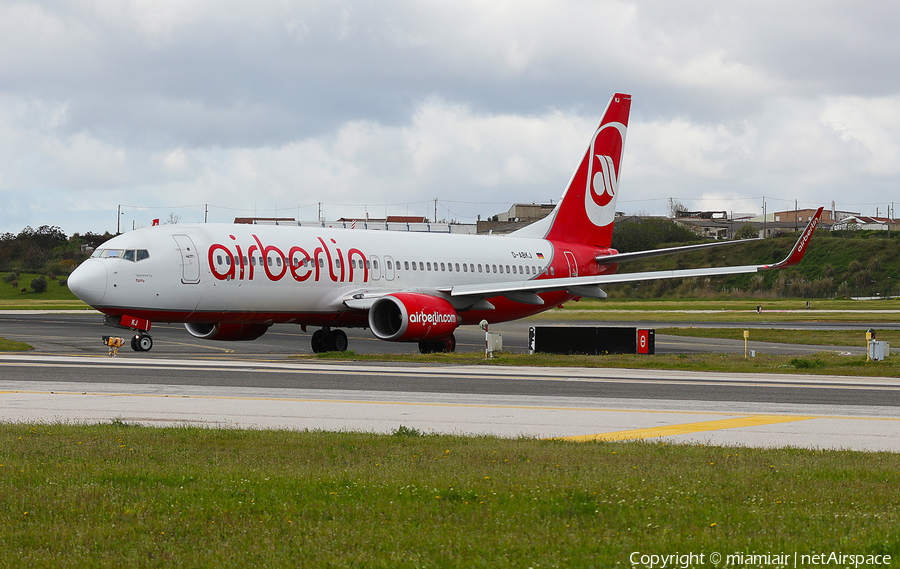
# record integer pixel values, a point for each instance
(602, 177)
(603, 183)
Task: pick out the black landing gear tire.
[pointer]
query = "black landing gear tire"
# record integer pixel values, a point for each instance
(326, 340)
(142, 343)
(337, 341)
(446, 345)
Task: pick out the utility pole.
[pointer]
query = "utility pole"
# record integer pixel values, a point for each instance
(435, 211)
(118, 217)
(205, 212)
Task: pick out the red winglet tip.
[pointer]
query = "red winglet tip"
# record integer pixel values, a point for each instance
(799, 249)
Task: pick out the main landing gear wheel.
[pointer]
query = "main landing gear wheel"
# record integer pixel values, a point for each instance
(142, 343)
(326, 340)
(446, 345)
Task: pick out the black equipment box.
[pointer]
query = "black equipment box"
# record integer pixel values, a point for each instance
(591, 340)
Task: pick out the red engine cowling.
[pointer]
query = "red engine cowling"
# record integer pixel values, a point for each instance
(412, 317)
(226, 331)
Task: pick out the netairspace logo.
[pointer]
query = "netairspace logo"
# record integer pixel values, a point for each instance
(435, 317)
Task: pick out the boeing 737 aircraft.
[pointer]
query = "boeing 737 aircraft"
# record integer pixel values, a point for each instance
(232, 282)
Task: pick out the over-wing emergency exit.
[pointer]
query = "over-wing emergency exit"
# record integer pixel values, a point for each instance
(232, 282)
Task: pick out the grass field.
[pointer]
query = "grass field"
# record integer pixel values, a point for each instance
(787, 336)
(728, 310)
(126, 496)
(13, 346)
(57, 297)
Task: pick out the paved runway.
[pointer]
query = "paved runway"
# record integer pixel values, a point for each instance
(81, 333)
(69, 378)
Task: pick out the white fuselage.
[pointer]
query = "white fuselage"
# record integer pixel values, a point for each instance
(288, 273)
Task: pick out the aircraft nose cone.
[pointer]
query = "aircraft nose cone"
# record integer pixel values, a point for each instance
(88, 281)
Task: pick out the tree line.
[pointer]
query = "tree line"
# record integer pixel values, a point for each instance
(46, 250)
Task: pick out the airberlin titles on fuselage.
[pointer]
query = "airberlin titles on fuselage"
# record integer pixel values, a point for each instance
(242, 264)
(305, 263)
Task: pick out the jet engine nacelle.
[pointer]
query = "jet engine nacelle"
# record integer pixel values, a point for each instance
(412, 317)
(226, 331)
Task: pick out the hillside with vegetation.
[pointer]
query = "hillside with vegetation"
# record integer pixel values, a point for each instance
(33, 258)
(837, 264)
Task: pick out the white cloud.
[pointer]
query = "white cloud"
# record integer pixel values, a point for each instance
(243, 104)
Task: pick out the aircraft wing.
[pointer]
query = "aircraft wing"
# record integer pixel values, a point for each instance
(526, 291)
(620, 257)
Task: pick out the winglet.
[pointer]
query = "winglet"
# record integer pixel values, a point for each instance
(796, 254)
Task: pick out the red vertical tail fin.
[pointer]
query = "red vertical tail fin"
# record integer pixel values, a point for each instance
(587, 209)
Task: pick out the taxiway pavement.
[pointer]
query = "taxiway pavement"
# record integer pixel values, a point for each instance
(68, 378)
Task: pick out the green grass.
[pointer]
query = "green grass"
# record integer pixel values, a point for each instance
(57, 297)
(13, 346)
(726, 310)
(788, 336)
(741, 305)
(127, 496)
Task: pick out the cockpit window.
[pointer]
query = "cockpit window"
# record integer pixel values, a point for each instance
(133, 255)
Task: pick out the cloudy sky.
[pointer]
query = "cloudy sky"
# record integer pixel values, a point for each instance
(272, 106)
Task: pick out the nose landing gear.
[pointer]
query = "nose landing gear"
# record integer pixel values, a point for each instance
(141, 341)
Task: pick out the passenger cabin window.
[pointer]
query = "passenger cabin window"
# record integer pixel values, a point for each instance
(406, 265)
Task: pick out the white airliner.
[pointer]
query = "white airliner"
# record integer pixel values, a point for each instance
(232, 282)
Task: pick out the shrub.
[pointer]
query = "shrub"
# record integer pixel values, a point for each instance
(39, 284)
(746, 231)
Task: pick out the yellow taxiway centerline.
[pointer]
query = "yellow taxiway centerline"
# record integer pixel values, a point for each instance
(686, 428)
